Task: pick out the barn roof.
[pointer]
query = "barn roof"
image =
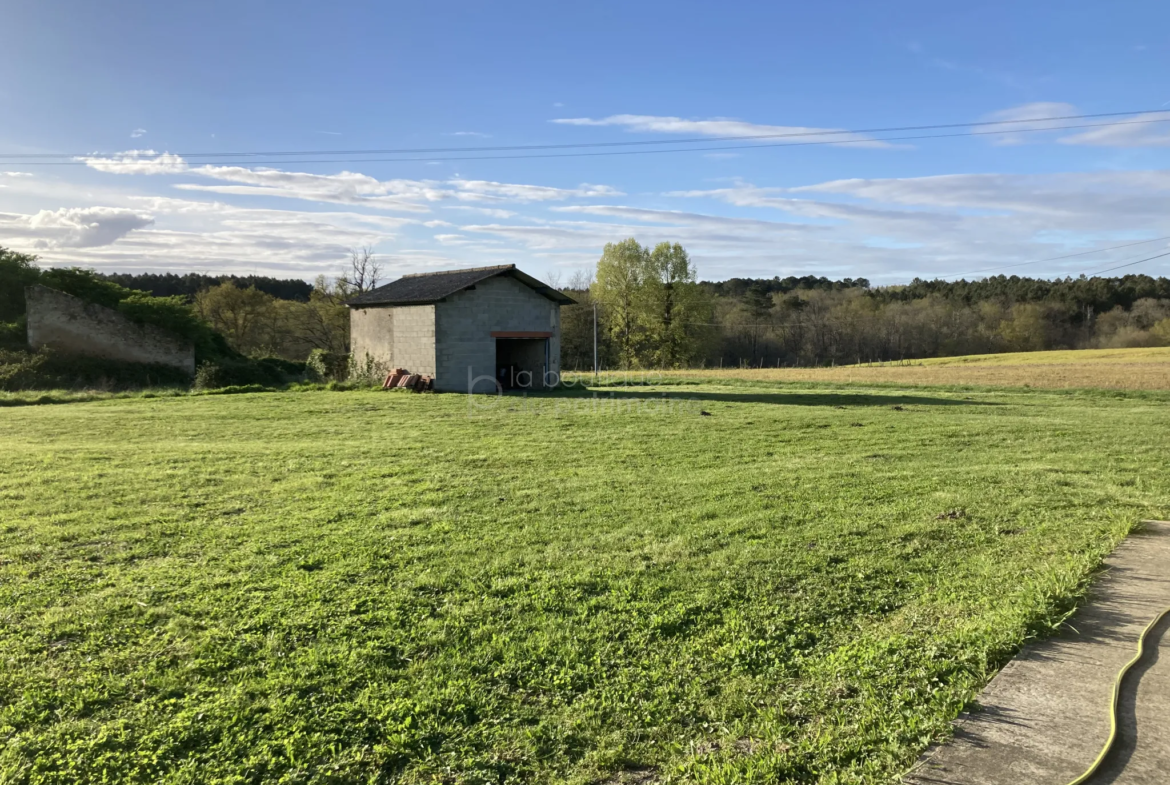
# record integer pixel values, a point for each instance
(423, 288)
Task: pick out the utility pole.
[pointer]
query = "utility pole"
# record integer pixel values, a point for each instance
(595, 344)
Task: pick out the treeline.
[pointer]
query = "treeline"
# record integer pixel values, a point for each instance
(190, 284)
(814, 321)
(653, 312)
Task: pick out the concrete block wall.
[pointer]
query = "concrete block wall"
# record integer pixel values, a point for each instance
(371, 333)
(464, 323)
(414, 338)
(68, 324)
(396, 336)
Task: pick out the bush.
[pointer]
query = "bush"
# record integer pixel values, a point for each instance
(323, 366)
(14, 335)
(49, 370)
(366, 371)
(243, 372)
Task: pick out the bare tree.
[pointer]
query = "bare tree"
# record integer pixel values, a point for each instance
(364, 271)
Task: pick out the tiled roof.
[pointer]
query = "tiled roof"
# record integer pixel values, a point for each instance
(425, 288)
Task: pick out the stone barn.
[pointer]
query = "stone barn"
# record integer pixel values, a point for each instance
(477, 330)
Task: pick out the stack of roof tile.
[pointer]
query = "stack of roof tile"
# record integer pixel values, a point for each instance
(400, 377)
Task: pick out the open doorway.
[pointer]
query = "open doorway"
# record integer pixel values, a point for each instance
(520, 362)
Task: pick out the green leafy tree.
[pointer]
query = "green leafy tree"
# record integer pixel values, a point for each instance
(17, 270)
(673, 307)
(620, 289)
(247, 318)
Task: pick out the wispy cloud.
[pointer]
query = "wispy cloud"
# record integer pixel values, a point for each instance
(1039, 114)
(137, 132)
(351, 188)
(1146, 130)
(1141, 130)
(723, 127)
(469, 133)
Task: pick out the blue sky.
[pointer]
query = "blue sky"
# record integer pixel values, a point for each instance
(139, 88)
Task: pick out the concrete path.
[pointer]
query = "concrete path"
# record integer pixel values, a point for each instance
(1045, 715)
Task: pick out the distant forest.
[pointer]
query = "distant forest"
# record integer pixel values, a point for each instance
(812, 320)
(653, 312)
(817, 321)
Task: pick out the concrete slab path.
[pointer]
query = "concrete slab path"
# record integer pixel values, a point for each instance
(1045, 716)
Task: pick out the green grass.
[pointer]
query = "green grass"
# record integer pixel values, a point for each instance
(366, 587)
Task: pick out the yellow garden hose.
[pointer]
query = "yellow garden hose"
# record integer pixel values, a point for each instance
(1113, 705)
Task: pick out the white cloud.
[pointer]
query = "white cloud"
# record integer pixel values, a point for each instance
(1144, 130)
(350, 188)
(493, 212)
(137, 162)
(723, 127)
(137, 132)
(16, 174)
(886, 229)
(481, 190)
(185, 235)
(929, 226)
(469, 133)
(1040, 116)
(72, 227)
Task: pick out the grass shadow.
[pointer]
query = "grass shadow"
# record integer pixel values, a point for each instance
(827, 398)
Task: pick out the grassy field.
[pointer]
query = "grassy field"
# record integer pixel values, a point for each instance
(343, 587)
(1119, 369)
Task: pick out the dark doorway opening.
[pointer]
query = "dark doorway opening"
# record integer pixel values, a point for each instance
(520, 362)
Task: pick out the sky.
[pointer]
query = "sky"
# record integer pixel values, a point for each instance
(145, 106)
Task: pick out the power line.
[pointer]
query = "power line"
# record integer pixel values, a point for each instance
(1055, 258)
(1128, 264)
(691, 140)
(139, 162)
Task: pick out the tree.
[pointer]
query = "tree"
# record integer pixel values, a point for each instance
(324, 320)
(17, 270)
(364, 271)
(673, 306)
(577, 325)
(247, 318)
(619, 289)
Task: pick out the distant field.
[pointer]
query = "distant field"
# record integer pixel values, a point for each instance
(327, 587)
(1119, 369)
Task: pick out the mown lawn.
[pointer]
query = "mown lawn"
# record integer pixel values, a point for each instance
(805, 586)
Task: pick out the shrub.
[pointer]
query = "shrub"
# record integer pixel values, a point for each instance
(1161, 332)
(244, 372)
(323, 366)
(367, 371)
(14, 335)
(49, 370)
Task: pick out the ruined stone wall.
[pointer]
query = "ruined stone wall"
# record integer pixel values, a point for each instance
(68, 324)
